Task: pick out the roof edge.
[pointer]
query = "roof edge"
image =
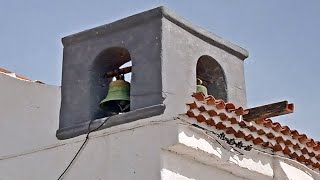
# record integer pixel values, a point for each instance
(159, 12)
(113, 26)
(205, 35)
(17, 76)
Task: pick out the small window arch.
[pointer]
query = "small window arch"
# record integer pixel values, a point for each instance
(106, 61)
(212, 76)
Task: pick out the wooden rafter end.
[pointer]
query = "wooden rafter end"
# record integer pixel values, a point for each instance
(268, 111)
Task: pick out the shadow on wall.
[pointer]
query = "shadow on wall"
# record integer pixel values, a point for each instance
(237, 162)
(224, 165)
(212, 76)
(110, 59)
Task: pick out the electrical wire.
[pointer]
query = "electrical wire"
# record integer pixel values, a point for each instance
(82, 146)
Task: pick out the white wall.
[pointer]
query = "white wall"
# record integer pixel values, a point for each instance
(175, 166)
(147, 149)
(29, 114)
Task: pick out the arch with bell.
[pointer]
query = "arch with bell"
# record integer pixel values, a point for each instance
(114, 96)
(211, 79)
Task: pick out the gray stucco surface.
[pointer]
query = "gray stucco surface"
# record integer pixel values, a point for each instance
(164, 50)
(110, 121)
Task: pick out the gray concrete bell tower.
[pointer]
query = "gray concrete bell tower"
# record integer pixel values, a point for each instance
(167, 54)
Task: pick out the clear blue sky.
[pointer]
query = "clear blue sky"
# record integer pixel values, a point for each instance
(282, 37)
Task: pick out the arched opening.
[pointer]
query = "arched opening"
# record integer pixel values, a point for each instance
(108, 60)
(212, 76)
(127, 76)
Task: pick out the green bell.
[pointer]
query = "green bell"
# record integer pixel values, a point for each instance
(201, 88)
(118, 98)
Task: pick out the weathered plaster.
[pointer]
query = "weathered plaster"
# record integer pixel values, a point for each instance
(152, 148)
(29, 114)
(164, 49)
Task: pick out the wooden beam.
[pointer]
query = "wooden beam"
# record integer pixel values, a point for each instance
(268, 111)
(118, 72)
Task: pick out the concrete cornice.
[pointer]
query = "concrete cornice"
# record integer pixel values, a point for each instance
(159, 12)
(73, 131)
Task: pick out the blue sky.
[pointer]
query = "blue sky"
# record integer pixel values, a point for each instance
(282, 37)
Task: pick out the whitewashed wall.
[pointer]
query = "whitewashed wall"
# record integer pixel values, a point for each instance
(153, 148)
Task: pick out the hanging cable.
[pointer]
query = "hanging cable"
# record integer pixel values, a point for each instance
(82, 146)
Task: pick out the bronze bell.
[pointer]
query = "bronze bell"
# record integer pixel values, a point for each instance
(201, 88)
(118, 98)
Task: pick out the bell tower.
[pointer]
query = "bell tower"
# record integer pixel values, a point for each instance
(168, 54)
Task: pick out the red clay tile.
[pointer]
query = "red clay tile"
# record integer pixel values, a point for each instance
(303, 139)
(252, 128)
(265, 144)
(233, 120)
(286, 130)
(316, 165)
(190, 114)
(249, 137)
(220, 104)
(277, 147)
(311, 143)
(260, 132)
(304, 151)
(230, 130)
(192, 105)
(202, 109)
(220, 126)
(211, 100)
(295, 134)
(286, 150)
(287, 142)
(257, 126)
(301, 158)
(199, 96)
(210, 97)
(240, 111)
(277, 128)
(316, 148)
(270, 135)
(257, 141)
(239, 134)
(17, 75)
(201, 118)
(242, 124)
(223, 116)
(279, 139)
(308, 162)
(294, 155)
(5, 71)
(311, 154)
(212, 113)
(230, 107)
(210, 122)
(296, 146)
(259, 121)
(268, 124)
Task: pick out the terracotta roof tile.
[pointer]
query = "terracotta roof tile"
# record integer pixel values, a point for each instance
(17, 76)
(263, 132)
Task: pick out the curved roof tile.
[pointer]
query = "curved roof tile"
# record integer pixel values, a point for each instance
(263, 132)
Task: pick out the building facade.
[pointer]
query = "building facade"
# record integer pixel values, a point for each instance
(170, 132)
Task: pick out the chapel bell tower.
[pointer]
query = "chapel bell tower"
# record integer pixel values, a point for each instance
(166, 54)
